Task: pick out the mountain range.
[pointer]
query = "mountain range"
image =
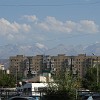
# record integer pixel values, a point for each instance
(32, 50)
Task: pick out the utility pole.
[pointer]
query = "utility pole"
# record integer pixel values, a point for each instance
(97, 72)
(16, 75)
(71, 65)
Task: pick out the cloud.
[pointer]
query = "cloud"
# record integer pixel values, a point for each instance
(88, 26)
(11, 30)
(41, 30)
(51, 24)
(6, 27)
(31, 18)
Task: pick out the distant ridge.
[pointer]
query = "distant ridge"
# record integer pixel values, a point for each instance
(32, 50)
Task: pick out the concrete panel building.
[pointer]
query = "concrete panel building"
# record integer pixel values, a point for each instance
(31, 66)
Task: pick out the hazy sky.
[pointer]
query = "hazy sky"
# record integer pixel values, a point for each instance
(49, 22)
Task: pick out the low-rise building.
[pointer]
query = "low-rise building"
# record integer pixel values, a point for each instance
(4, 71)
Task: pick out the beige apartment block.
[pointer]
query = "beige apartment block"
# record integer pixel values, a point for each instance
(60, 63)
(80, 64)
(34, 65)
(39, 64)
(83, 62)
(17, 65)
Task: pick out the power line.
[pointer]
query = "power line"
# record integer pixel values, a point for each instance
(30, 5)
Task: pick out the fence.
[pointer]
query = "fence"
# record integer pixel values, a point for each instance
(5, 95)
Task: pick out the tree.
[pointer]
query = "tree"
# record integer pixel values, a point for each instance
(90, 79)
(64, 86)
(6, 80)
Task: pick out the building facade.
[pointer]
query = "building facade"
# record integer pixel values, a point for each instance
(17, 65)
(34, 65)
(39, 64)
(3, 70)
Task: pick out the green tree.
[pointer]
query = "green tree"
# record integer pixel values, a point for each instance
(90, 79)
(64, 85)
(6, 80)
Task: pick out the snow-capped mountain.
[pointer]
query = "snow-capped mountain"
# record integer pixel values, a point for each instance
(60, 49)
(32, 50)
(68, 50)
(93, 48)
(27, 50)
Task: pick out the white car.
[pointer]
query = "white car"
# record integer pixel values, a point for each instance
(90, 98)
(94, 96)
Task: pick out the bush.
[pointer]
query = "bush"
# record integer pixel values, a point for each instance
(59, 95)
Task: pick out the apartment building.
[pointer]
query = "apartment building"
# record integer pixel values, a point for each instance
(83, 62)
(60, 62)
(34, 65)
(48, 64)
(39, 64)
(80, 64)
(17, 65)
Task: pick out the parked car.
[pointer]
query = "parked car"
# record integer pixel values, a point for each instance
(94, 96)
(90, 98)
(21, 98)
